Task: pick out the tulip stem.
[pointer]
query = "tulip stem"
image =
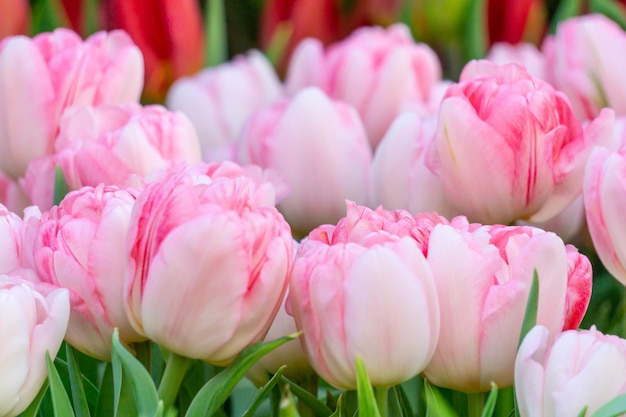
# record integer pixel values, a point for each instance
(382, 399)
(475, 404)
(310, 384)
(175, 369)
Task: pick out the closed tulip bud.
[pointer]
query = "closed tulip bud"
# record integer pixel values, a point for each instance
(219, 100)
(41, 77)
(509, 147)
(323, 163)
(581, 369)
(378, 71)
(34, 319)
(209, 244)
(582, 62)
(169, 34)
(11, 240)
(400, 177)
(604, 194)
(81, 245)
(483, 276)
(365, 294)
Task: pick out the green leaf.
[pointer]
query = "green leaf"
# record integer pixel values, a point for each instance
(319, 408)
(476, 30)
(436, 405)
(138, 384)
(33, 408)
(264, 392)
(566, 10)
(60, 186)
(278, 43)
(287, 405)
(60, 401)
(215, 392)
(105, 406)
(490, 404)
(611, 9)
(583, 412)
(365, 393)
(339, 407)
(48, 15)
(615, 407)
(79, 399)
(216, 38)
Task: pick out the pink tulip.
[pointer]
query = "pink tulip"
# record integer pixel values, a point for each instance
(400, 178)
(605, 202)
(483, 276)
(378, 71)
(319, 147)
(12, 195)
(583, 62)
(219, 100)
(290, 354)
(580, 369)
(210, 245)
(11, 240)
(41, 77)
(33, 324)
(509, 147)
(116, 144)
(81, 245)
(525, 54)
(370, 295)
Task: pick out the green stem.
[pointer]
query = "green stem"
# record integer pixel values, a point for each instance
(382, 400)
(475, 404)
(143, 352)
(310, 384)
(175, 370)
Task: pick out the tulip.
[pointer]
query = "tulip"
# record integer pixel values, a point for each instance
(324, 163)
(371, 297)
(81, 245)
(513, 22)
(33, 324)
(219, 100)
(483, 276)
(11, 240)
(290, 354)
(400, 178)
(378, 71)
(603, 191)
(12, 195)
(525, 54)
(509, 147)
(41, 77)
(15, 18)
(580, 369)
(169, 34)
(115, 144)
(582, 62)
(208, 243)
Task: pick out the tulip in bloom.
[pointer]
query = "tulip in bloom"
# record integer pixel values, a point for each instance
(605, 202)
(580, 369)
(319, 147)
(81, 245)
(11, 240)
(483, 276)
(41, 77)
(525, 54)
(169, 34)
(582, 62)
(33, 323)
(378, 71)
(509, 147)
(400, 178)
(365, 292)
(208, 243)
(219, 100)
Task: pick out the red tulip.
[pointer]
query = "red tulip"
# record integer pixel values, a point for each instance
(169, 34)
(514, 21)
(14, 17)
